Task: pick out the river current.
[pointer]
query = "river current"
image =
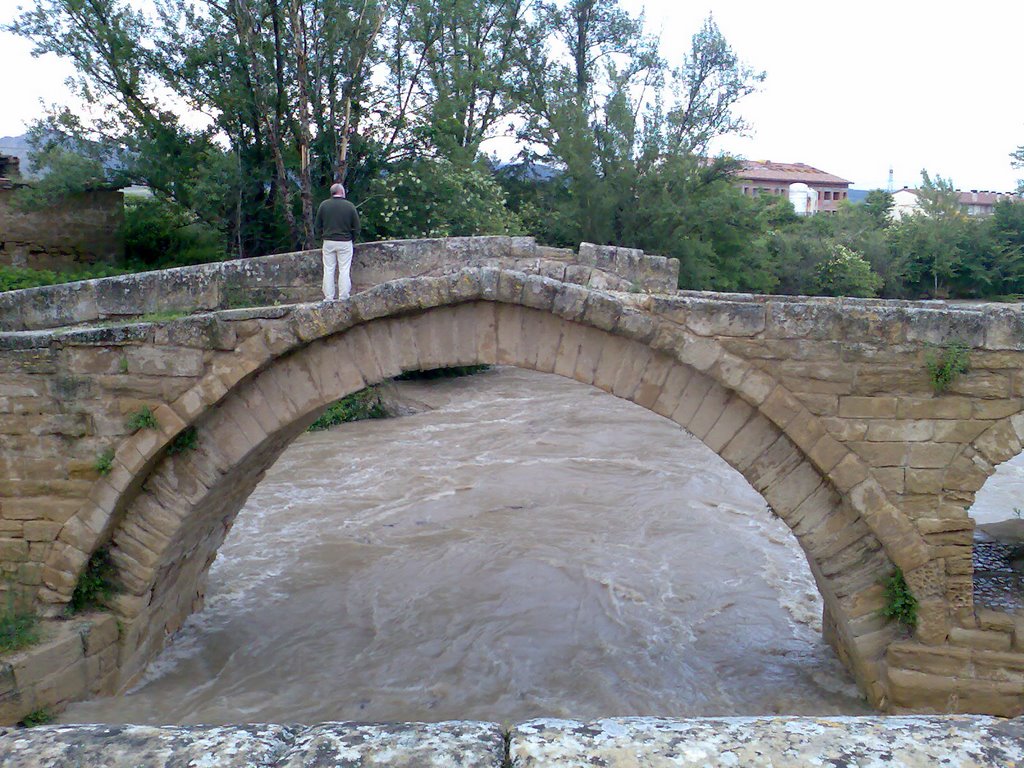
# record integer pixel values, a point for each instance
(524, 546)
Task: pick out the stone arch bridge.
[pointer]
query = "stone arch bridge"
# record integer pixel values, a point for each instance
(825, 406)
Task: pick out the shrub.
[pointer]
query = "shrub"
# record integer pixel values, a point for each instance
(40, 716)
(142, 419)
(900, 603)
(160, 233)
(946, 365)
(95, 584)
(364, 404)
(186, 440)
(16, 278)
(104, 461)
(846, 273)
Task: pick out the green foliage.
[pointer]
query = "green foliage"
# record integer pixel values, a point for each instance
(184, 441)
(900, 603)
(142, 419)
(16, 278)
(95, 584)
(40, 716)
(945, 365)
(19, 626)
(122, 365)
(104, 461)
(452, 372)
(68, 174)
(364, 404)
(436, 198)
(846, 273)
(161, 233)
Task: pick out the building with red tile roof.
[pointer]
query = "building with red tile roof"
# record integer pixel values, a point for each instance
(763, 177)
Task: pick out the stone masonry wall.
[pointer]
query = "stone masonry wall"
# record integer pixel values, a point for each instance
(76, 659)
(84, 230)
(295, 277)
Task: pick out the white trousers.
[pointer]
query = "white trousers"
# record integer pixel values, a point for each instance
(337, 258)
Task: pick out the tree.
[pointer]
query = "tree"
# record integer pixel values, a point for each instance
(1017, 161)
(612, 115)
(846, 273)
(878, 207)
(437, 198)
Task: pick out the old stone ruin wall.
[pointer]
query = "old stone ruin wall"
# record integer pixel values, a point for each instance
(295, 277)
(84, 229)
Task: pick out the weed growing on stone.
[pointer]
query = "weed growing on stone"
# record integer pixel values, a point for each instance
(364, 404)
(142, 419)
(95, 584)
(122, 365)
(900, 603)
(946, 365)
(19, 627)
(104, 462)
(40, 716)
(186, 440)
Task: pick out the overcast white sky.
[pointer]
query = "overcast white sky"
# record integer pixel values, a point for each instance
(852, 87)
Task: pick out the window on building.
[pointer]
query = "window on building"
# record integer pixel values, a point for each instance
(828, 194)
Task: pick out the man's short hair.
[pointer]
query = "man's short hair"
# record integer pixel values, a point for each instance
(337, 190)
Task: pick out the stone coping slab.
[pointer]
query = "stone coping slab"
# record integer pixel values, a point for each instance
(329, 745)
(743, 742)
(778, 742)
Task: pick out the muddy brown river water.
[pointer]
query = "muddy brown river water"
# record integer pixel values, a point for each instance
(525, 547)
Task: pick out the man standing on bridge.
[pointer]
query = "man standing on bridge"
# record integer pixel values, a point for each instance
(337, 226)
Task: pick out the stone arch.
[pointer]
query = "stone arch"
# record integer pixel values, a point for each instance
(165, 516)
(974, 463)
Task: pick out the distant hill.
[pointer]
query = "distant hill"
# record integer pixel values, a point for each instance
(857, 195)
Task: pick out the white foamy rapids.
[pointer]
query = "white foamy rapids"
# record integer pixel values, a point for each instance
(531, 547)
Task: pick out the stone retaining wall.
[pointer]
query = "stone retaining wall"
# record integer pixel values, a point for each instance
(288, 278)
(77, 659)
(898, 742)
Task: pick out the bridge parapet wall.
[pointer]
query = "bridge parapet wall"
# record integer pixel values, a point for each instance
(290, 278)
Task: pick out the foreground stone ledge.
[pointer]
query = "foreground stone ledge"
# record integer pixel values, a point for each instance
(330, 745)
(779, 742)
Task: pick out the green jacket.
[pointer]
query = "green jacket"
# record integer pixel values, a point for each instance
(336, 219)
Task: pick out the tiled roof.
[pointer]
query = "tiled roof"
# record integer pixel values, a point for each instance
(986, 198)
(789, 173)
